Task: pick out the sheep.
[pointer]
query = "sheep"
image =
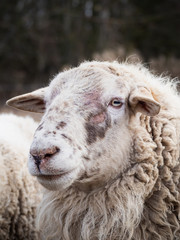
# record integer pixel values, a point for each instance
(107, 152)
(19, 191)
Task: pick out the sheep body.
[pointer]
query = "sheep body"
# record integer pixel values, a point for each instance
(127, 185)
(19, 191)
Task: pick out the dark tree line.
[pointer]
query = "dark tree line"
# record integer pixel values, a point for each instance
(39, 37)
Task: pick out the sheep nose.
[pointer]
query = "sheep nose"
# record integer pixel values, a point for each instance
(44, 154)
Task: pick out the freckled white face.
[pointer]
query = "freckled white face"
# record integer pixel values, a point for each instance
(86, 119)
(84, 136)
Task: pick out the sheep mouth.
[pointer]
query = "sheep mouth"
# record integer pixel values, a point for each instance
(52, 177)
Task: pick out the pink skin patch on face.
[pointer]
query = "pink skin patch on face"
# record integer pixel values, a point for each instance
(93, 99)
(99, 118)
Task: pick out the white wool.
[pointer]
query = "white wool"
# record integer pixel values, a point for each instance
(19, 191)
(17, 131)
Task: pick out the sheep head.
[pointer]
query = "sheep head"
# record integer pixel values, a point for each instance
(85, 137)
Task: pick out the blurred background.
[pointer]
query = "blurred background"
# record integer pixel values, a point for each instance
(39, 38)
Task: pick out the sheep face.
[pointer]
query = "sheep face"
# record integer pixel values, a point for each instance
(84, 137)
(84, 120)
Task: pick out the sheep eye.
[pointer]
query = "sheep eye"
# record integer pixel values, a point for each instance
(117, 103)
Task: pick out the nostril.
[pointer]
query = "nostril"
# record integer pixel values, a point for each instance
(57, 149)
(48, 155)
(37, 160)
(45, 154)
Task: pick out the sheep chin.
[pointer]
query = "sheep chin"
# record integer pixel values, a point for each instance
(58, 182)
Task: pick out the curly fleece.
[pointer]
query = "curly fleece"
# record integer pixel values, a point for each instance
(19, 192)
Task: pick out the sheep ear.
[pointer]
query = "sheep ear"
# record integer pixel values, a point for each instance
(141, 100)
(32, 102)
